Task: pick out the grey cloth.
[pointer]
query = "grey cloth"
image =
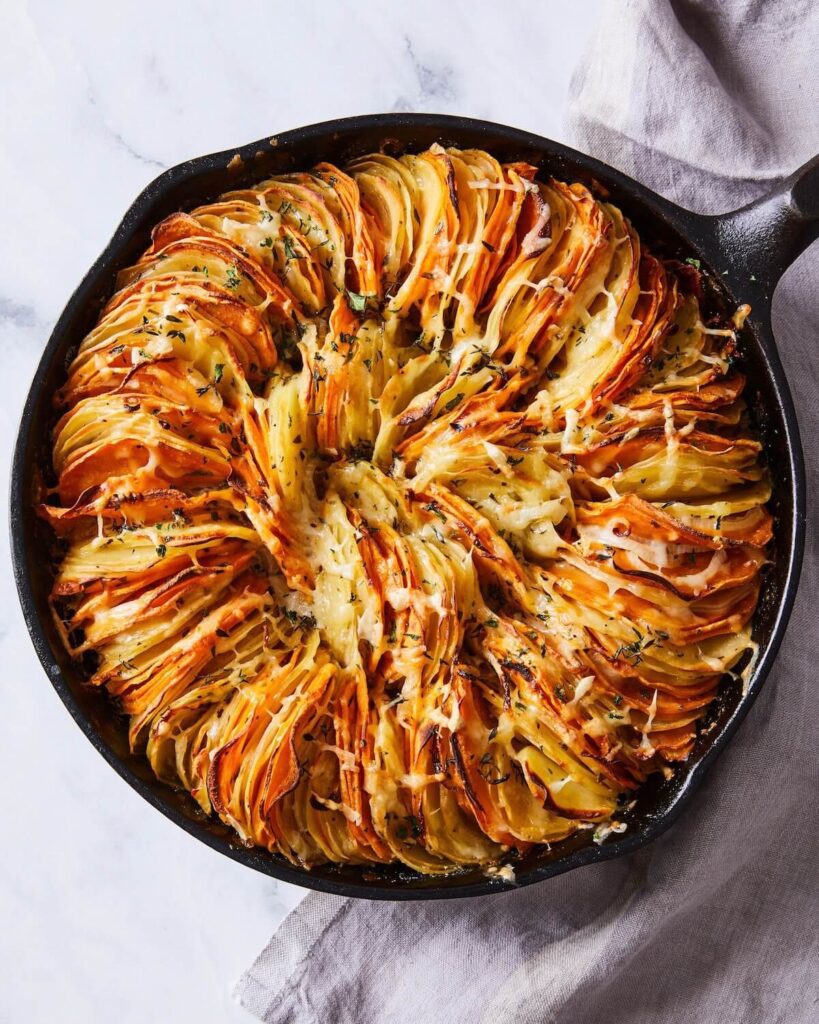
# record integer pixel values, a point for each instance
(709, 103)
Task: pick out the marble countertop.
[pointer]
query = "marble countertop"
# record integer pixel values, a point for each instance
(110, 912)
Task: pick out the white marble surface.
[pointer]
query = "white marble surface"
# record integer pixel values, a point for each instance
(108, 912)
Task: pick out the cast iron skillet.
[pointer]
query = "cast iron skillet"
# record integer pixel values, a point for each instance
(745, 252)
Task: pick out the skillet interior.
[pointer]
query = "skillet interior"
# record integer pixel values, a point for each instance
(668, 229)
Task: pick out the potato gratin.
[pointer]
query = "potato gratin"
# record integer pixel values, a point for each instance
(410, 512)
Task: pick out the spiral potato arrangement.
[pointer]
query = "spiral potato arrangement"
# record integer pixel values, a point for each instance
(410, 512)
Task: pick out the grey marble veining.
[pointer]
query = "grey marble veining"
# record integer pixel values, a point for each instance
(108, 912)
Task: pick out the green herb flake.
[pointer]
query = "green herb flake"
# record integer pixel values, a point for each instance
(358, 302)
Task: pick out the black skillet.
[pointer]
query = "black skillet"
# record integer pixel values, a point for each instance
(743, 253)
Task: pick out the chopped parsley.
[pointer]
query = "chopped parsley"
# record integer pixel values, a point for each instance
(358, 302)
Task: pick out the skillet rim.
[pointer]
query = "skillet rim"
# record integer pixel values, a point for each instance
(700, 235)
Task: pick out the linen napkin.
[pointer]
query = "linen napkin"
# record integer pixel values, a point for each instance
(710, 103)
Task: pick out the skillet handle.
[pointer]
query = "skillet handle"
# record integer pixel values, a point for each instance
(765, 237)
